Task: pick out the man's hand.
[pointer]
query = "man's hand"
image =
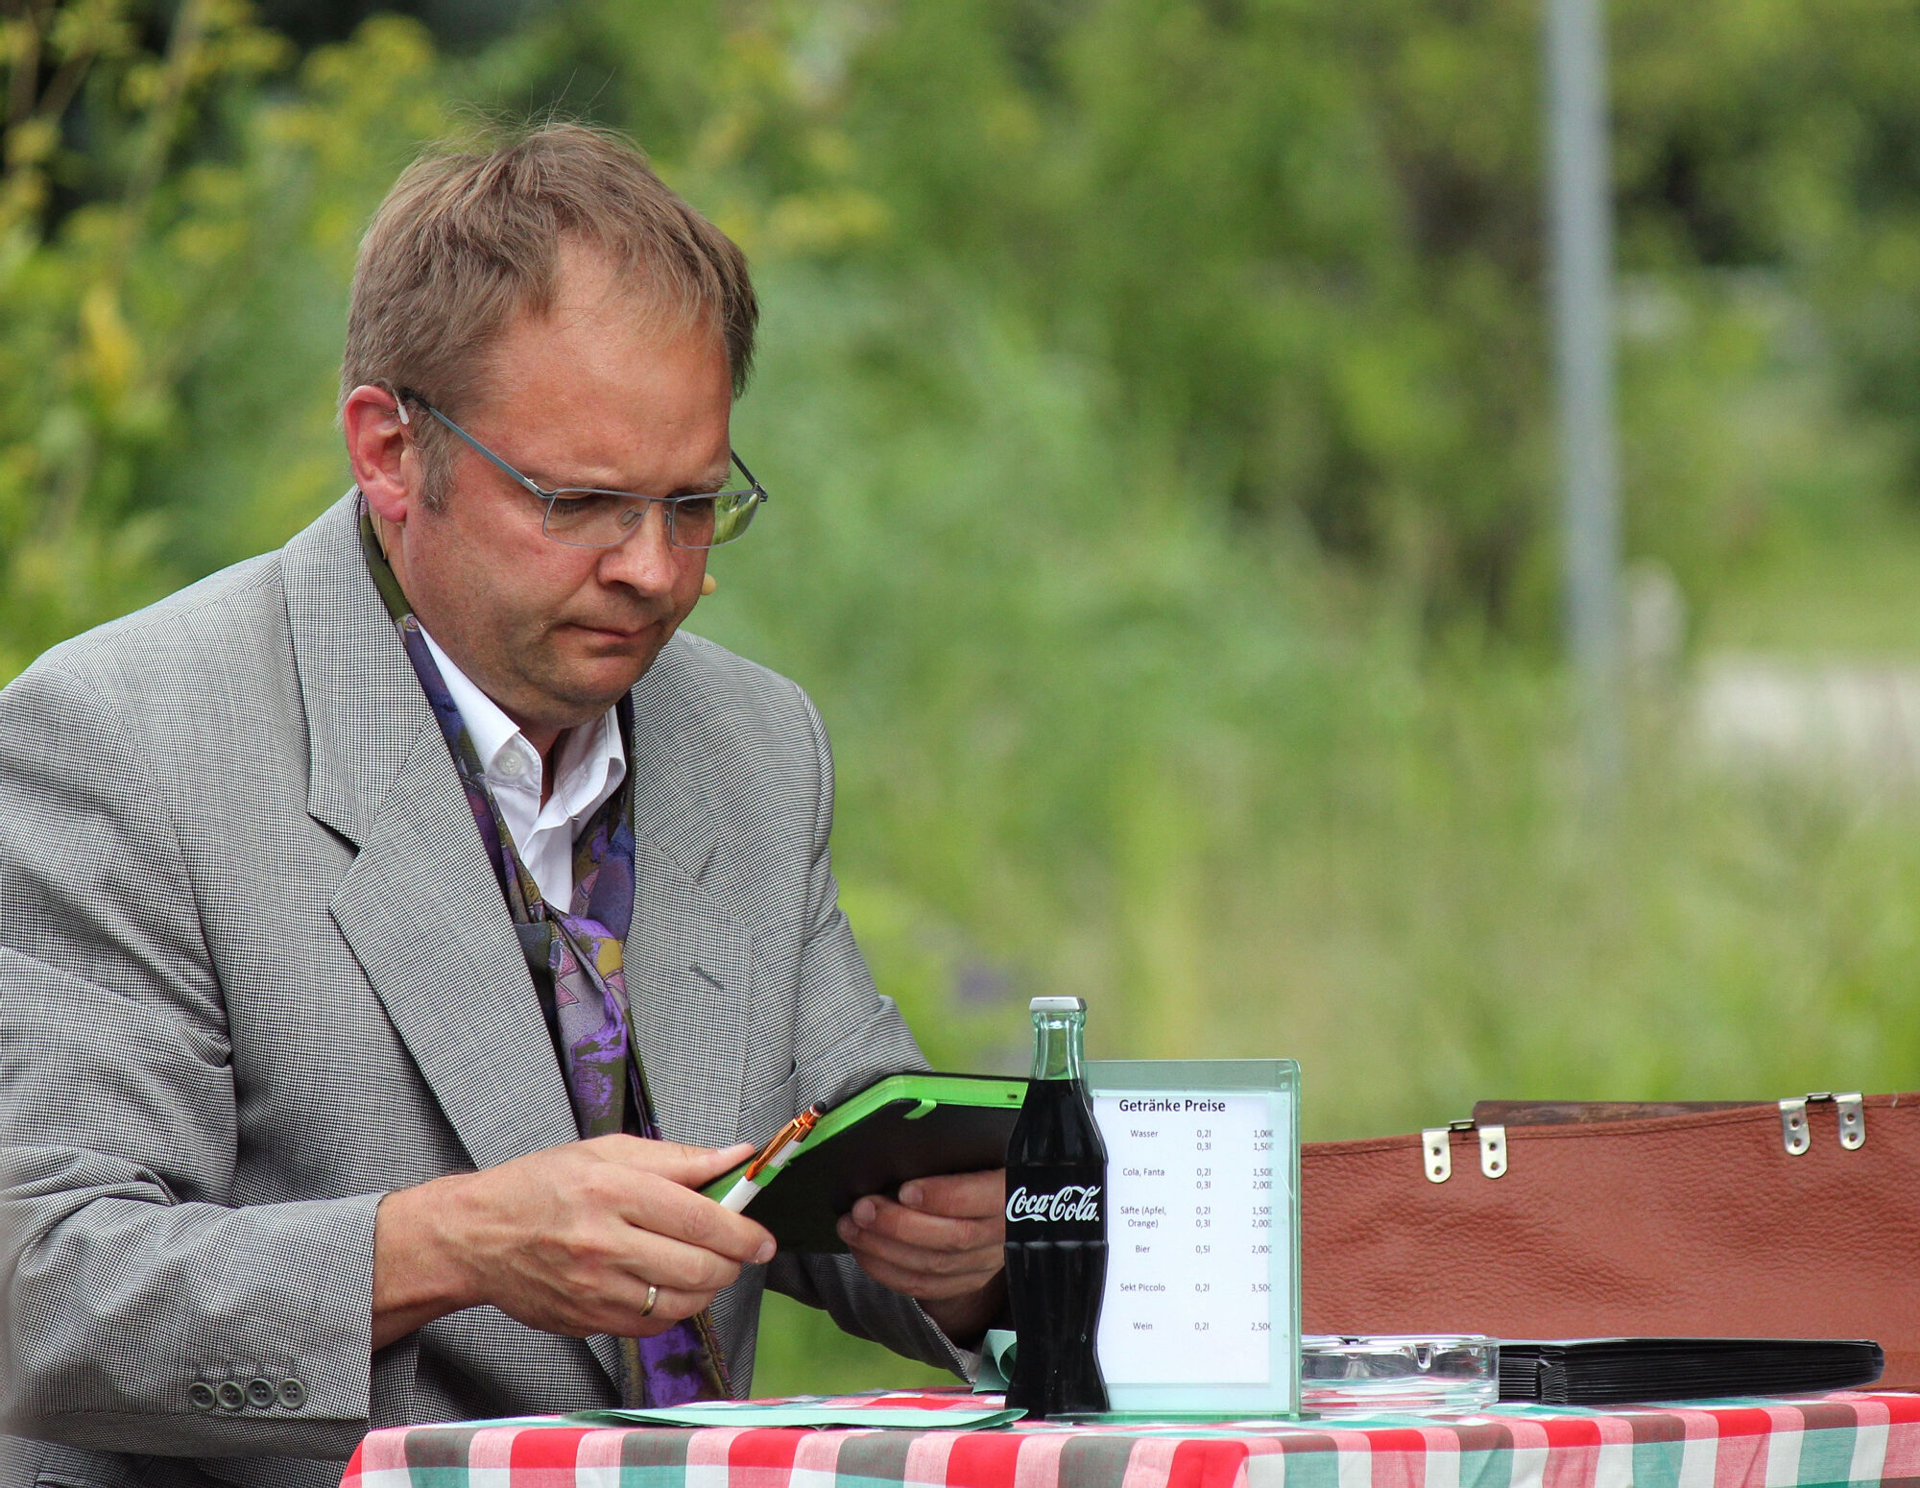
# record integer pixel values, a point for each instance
(568, 1240)
(942, 1243)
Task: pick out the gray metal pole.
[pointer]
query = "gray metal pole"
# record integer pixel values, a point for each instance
(1580, 211)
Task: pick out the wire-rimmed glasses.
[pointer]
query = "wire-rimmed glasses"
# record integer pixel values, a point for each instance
(589, 517)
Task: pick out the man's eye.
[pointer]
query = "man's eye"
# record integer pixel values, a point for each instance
(574, 512)
(696, 506)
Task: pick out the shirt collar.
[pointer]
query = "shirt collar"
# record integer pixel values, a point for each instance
(591, 763)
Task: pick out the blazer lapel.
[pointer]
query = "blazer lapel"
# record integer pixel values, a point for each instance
(420, 907)
(425, 918)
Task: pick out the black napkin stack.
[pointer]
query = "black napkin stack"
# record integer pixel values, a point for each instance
(1617, 1371)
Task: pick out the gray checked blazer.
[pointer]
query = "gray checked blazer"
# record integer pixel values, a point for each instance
(256, 971)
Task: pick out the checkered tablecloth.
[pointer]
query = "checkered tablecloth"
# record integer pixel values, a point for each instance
(1845, 1438)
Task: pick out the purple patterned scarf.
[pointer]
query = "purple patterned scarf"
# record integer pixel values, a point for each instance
(576, 960)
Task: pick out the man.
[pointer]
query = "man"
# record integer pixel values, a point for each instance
(373, 913)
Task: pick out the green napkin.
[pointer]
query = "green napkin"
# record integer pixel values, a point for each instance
(996, 1362)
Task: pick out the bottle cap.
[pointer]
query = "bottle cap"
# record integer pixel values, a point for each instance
(1057, 1005)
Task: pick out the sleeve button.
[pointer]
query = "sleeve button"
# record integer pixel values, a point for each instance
(293, 1394)
(260, 1393)
(201, 1395)
(231, 1395)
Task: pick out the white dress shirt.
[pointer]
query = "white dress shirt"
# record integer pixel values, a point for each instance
(592, 763)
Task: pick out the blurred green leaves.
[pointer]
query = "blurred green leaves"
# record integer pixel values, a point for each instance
(1299, 241)
(148, 190)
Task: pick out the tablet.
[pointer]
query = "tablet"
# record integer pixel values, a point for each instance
(915, 1125)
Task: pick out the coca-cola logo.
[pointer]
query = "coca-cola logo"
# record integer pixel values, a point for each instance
(1074, 1201)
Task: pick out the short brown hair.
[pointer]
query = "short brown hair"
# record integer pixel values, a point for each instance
(466, 239)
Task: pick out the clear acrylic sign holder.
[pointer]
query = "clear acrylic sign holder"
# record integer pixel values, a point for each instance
(1201, 1312)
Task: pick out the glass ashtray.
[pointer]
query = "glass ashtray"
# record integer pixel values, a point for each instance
(1347, 1375)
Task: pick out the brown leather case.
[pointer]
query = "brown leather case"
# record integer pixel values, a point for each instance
(1606, 1220)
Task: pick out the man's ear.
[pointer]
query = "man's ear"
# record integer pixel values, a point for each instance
(378, 450)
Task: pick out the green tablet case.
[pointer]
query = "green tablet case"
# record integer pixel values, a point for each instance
(898, 1128)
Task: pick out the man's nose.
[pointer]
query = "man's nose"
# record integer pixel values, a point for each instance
(646, 561)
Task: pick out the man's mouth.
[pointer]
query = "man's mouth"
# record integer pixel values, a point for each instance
(613, 633)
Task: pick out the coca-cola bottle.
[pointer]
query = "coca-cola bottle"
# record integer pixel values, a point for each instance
(1056, 1224)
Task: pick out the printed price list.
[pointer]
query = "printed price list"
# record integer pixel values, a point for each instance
(1193, 1187)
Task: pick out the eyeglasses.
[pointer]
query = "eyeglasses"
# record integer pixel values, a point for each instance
(588, 517)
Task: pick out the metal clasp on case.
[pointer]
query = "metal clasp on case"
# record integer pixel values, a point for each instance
(1850, 1107)
(1439, 1158)
(1853, 1120)
(1493, 1150)
(1793, 1125)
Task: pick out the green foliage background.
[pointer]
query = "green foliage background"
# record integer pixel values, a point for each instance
(1154, 400)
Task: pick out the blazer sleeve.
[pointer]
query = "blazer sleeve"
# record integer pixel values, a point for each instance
(848, 1035)
(132, 1286)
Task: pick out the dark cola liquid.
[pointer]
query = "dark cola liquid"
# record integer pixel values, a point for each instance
(1056, 1250)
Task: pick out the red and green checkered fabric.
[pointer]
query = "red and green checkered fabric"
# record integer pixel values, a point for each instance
(1846, 1438)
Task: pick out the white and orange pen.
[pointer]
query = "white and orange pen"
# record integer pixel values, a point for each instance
(770, 1159)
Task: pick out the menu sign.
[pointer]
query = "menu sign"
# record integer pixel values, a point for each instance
(1201, 1244)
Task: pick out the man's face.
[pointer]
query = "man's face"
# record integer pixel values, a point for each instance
(597, 393)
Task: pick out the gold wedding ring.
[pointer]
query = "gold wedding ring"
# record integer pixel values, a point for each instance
(653, 1296)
